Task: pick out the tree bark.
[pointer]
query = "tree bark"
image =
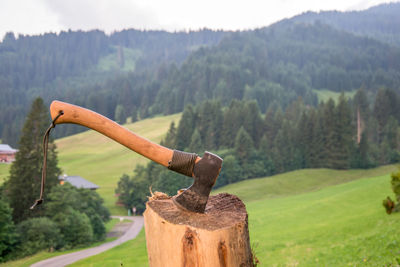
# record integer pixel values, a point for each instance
(177, 237)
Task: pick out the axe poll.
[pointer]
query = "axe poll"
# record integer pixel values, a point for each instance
(203, 170)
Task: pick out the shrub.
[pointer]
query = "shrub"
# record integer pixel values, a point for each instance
(7, 231)
(388, 203)
(75, 227)
(38, 234)
(84, 201)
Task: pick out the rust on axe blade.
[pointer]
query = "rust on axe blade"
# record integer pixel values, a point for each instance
(205, 174)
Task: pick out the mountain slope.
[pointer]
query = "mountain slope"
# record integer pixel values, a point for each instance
(71, 66)
(280, 63)
(381, 22)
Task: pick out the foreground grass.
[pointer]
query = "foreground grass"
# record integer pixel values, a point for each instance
(306, 218)
(103, 161)
(131, 253)
(342, 225)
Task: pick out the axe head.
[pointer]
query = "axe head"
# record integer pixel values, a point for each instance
(205, 174)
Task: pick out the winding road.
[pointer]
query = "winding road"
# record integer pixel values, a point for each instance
(66, 259)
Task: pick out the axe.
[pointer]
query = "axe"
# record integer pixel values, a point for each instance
(204, 170)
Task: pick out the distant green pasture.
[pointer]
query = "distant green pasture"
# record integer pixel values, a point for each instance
(4, 171)
(325, 95)
(111, 61)
(103, 161)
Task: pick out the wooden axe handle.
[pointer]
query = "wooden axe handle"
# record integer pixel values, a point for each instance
(85, 117)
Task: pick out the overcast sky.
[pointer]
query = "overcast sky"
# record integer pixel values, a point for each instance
(40, 16)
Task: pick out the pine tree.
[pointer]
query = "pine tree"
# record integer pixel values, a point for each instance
(8, 236)
(209, 122)
(328, 132)
(195, 145)
(317, 149)
(170, 138)
(233, 120)
(120, 115)
(361, 158)
(385, 106)
(269, 123)
(25, 173)
(343, 133)
(252, 121)
(185, 128)
(134, 114)
(337, 123)
(244, 146)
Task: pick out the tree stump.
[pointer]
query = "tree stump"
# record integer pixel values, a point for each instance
(177, 237)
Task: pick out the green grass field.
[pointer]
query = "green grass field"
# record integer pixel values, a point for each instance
(324, 95)
(4, 170)
(103, 161)
(111, 62)
(306, 218)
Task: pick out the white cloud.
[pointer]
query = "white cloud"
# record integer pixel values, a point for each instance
(26, 17)
(101, 14)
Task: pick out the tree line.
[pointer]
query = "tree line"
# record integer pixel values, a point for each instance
(66, 66)
(278, 63)
(274, 65)
(348, 133)
(69, 218)
(378, 22)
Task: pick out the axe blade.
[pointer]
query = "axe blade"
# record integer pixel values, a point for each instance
(205, 173)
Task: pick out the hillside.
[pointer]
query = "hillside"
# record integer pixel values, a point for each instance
(145, 73)
(71, 66)
(378, 22)
(306, 218)
(280, 63)
(103, 161)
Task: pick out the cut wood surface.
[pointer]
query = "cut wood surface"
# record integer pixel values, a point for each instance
(177, 237)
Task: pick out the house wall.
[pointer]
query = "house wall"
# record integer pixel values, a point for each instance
(7, 157)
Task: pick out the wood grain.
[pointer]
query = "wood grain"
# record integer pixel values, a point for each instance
(179, 238)
(85, 117)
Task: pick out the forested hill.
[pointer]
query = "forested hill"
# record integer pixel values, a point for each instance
(143, 73)
(70, 65)
(280, 63)
(380, 22)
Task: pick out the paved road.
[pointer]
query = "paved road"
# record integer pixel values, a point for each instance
(66, 259)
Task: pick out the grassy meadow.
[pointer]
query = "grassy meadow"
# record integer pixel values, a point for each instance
(111, 61)
(306, 218)
(4, 170)
(325, 95)
(103, 161)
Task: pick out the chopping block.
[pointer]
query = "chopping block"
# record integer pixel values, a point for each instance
(218, 237)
